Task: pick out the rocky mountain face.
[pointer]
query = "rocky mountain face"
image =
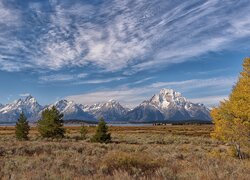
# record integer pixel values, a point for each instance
(29, 106)
(110, 111)
(144, 112)
(168, 105)
(72, 111)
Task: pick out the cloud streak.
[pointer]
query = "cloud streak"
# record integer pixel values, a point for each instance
(24, 94)
(219, 82)
(115, 35)
(99, 81)
(135, 95)
(61, 77)
(211, 101)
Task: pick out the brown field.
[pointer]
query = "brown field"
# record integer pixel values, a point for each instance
(157, 152)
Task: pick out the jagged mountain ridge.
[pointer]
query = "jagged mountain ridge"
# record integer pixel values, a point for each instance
(71, 110)
(29, 106)
(168, 105)
(111, 110)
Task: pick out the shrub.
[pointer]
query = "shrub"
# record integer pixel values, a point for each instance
(134, 163)
(102, 134)
(51, 124)
(22, 127)
(83, 132)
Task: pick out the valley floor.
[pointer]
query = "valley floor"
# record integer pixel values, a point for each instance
(157, 152)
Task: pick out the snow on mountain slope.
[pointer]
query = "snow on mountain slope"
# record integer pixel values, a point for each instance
(168, 105)
(166, 98)
(198, 111)
(28, 105)
(72, 111)
(172, 106)
(145, 112)
(110, 111)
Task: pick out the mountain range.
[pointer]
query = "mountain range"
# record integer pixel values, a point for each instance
(166, 106)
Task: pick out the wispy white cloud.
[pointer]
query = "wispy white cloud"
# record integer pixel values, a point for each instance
(99, 81)
(24, 94)
(135, 95)
(143, 80)
(8, 17)
(115, 35)
(76, 79)
(210, 72)
(62, 77)
(219, 82)
(127, 97)
(210, 101)
(110, 44)
(10, 20)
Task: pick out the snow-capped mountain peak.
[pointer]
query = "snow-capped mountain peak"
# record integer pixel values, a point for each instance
(164, 93)
(111, 103)
(110, 110)
(168, 105)
(61, 105)
(71, 110)
(30, 99)
(168, 97)
(28, 105)
(167, 91)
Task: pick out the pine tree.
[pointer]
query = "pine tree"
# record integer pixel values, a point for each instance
(83, 132)
(22, 127)
(232, 117)
(102, 134)
(51, 124)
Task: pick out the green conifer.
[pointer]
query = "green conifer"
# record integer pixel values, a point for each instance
(51, 124)
(102, 134)
(22, 127)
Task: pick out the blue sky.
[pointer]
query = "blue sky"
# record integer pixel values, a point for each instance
(93, 51)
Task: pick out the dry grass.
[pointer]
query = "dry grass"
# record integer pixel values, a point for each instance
(164, 152)
(188, 130)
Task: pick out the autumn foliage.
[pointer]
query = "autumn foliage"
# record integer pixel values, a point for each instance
(232, 117)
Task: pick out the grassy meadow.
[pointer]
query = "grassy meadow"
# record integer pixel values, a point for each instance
(155, 152)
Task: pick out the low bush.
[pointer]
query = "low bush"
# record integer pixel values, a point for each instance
(138, 164)
(83, 132)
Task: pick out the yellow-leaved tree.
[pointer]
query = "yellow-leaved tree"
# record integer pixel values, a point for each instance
(232, 117)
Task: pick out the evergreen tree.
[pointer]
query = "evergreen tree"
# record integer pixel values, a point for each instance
(102, 134)
(83, 132)
(22, 127)
(232, 117)
(51, 124)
